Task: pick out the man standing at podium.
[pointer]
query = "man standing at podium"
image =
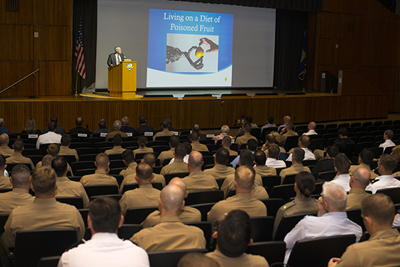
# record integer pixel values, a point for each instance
(115, 58)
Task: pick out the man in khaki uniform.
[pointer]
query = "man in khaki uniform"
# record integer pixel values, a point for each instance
(17, 157)
(246, 136)
(197, 179)
(243, 200)
(169, 154)
(170, 233)
(44, 213)
(297, 165)
(220, 170)
(226, 143)
(358, 182)
(261, 169)
(100, 177)
(66, 187)
(286, 132)
(4, 181)
(4, 149)
(117, 130)
(382, 248)
(19, 196)
(130, 163)
(185, 214)
(53, 150)
(143, 196)
(165, 131)
(365, 158)
(233, 237)
(65, 150)
(178, 165)
(196, 145)
(270, 140)
(117, 149)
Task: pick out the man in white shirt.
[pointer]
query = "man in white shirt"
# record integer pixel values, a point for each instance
(272, 161)
(304, 142)
(311, 129)
(105, 248)
(386, 165)
(342, 166)
(387, 136)
(50, 137)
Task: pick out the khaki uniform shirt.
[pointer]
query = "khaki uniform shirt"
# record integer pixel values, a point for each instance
(363, 165)
(244, 139)
(382, 249)
(43, 213)
(5, 181)
(170, 234)
(130, 179)
(11, 200)
(165, 132)
(99, 177)
(39, 164)
(68, 188)
(354, 198)
(198, 181)
(143, 196)
(264, 170)
(66, 151)
(241, 261)
(259, 192)
(220, 171)
(131, 169)
(6, 151)
(177, 166)
(187, 214)
(245, 202)
(115, 150)
(227, 186)
(169, 154)
(143, 150)
(232, 152)
(112, 134)
(294, 169)
(18, 158)
(283, 137)
(197, 146)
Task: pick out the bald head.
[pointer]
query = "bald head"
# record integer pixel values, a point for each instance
(171, 200)
(4, 139)
(195, 161)
(244, 178)
(312, 125)
(179, 183)
(361, 178)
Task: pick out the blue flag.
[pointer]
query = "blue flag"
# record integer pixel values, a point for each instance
(303, 59)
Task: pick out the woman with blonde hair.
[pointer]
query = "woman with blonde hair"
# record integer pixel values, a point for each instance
(30, 127)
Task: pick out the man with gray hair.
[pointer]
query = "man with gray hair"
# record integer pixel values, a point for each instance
(117, 130)
(224, 132)
(331, 220)
(2, 130)
(5, 150)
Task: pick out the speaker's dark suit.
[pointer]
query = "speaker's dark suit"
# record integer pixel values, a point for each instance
(112, 61)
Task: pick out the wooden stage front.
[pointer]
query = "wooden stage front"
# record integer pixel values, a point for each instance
(209, 112)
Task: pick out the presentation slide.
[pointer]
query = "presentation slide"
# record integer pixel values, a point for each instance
(189, 49)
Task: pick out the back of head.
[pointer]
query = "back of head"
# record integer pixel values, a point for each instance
(332, 151)
(20, 175)
(144, 171)
(44, 180)
(2, 162)
(312, 125)
(270, 119)
(196, 128)
(290, 125)
(60, 165)
(270, 138)
(179, 183)
(305, 183)
(194, 136)
(4, 139)
(149, 159)
(79, 121)
(367, 156)
(247, 127)
(174, 141)
(249, 119)
(335, 195)
(66, 139)
(102, 124)
(172, 198)
(52, 126)
(188, 147)
(342, 163)
(53, 149)
(142, 141)
(244, 177)
(260, 157)
(361, 177)
(102, 161)
(304, 140)
(117, 140)
(273, 151)
(246, 158)
(342, 131)
(196, 259)
(1, 122)
(30, 126)
(54, 119)
(286, 119)
(389, 134)
(380, 208)
(195, 160)
(105, 214)
(180, 151)
(125, 120)
(298, 155)
(165, 124)
(226, 141)
(46, 160)
(225, 129)
(128, 156)
(234, 234)
(252, 144)
(18, 145)
(222, 156)
(142, 119)
(117, 125)
(388, 162)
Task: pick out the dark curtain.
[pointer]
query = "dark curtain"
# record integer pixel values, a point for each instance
(87, 10)
(289, 35)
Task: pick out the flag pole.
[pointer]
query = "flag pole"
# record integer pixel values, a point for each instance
(76, 84)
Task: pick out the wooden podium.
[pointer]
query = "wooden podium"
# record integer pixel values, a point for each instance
(122, 80)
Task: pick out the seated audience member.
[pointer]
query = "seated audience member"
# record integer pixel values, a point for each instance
(220, 170)
(286, 132)
(170, 233)
(100, 177)
(5, 150)
(387, 136)
(358, 182)
(169, 154)
(365, 158)
(66, 187)
(79, 129)
(195, 142)
(327, 164)
(331, 220)
(303, 143)
(185, 214)
(395, 152)
(44, 213)
(261, 169)
(130, 163)
(46, 161)
(233, 237)
(19, 196)
(252, 145)
(197, 179)
(165, 131)
(105, 248)
(142, 142)
(53, 150)
(311, 129)
(49, 137)
(58, 129)
(169, 123)
(243, 200)
(304, 186)
(178, 165)
(248, 120)
(117, 130)
(226, 143)
(143, 196)
(30, 127)
(117, 149)
(286, 120)
(272, 157)
(297, 165)
(125, 128)
(188, 147)
(342, 141)
(2, 130)
(246, 136)
(342, 166)
(224, 132)
(17, 156)
(270, 140)
(65, 150)
(196, 128)
(382, 248)
(196, 259)
(143, 126)
(386, 165)
(102, 127)
(269, 123)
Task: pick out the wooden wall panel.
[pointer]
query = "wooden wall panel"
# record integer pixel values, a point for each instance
(16, 42)
(53, 78)
(51, 39)
(12, 71)
(24, 16)
(50, 12)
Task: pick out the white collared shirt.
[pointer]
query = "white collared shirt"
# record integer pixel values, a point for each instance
(48, 138)
(385, 181)
(117, 58)
(308, 155)
(275, 163)
(185, 159)
(387, 143)
(343, 180)
(311, 132)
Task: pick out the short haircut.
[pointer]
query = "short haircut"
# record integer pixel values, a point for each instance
(142, 119)
(142, 141)
(52, 126)
(79, 121)
(244, 177)
(270, 138)
(102, 160)
(227, 141)
(290, 125)
(270, 119)
(196, 259)
(389, 134)
(222, 156)
(144, 171)
(180, 151)
(234, 234)
(366, 155)
(117, 125)
(298, 154)
(273, 151)
(46, 160)
(53, 149)
(174, 140)
(225, 129)
(247, 127)
(117, 140)
(150, 159)
(65, 139)
(188, 147)
(165, 124)
(105, 214)
(4, 139)
(1, 122)
(195, 159)
(388, 162)
(44, 180)
(2, 162)
(196, 128)
(246, 157)
(60, 165)
(260, 157)
(102, 124)
(116, 48)
(342, 131)
(252, 144)
(54, 119)
(18, 145)
(305, 183)
(194, 136)
(20, 175)
(125, 120)
(380, 208)
(342, 163)
(335, 195)
(128, 156)
(304, 140)
(249, 119)
(332, 151)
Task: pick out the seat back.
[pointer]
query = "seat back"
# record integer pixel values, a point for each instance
(355, 216)
(204, 208)
(74, 201)
(169, 258)
(128, 187)
(272, 251)
(10, 166)
(285, 192)
(95, 190)
(289, 179)
(49, 261)
(327, 176)
(270, 181)
(273, 205)
(3, 220)
(291, 142)
(287, 224)
(168, 177)
(205, 196)
(393, 193)
(126, 231)
(262, 228)
(138, 215)
(206, 228)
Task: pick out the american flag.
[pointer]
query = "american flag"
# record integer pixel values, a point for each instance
(80, 59)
